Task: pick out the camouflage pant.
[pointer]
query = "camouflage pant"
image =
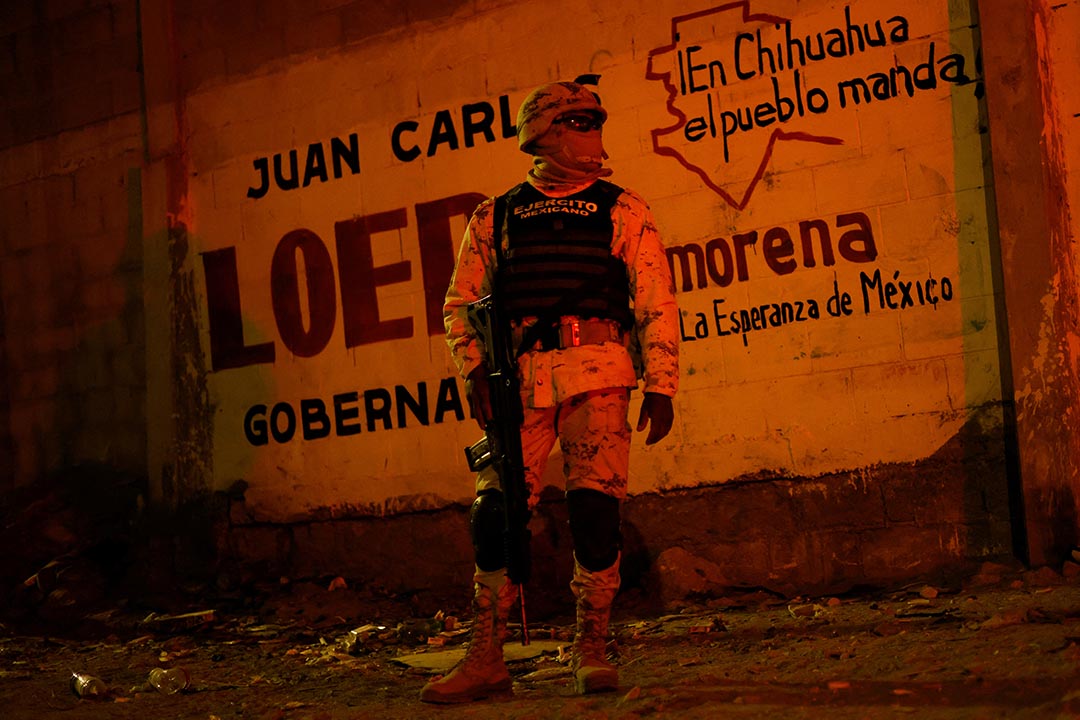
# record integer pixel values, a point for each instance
(593, 434)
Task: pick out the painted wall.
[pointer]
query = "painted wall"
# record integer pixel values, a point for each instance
(816, 169)
(299, 176)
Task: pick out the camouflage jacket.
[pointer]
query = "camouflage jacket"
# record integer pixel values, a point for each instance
(549, 377)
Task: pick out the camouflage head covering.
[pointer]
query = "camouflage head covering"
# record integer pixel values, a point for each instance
(548, 102)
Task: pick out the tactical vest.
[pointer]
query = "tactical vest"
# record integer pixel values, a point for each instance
(558, 259)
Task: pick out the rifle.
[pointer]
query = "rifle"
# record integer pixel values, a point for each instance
(501, 444)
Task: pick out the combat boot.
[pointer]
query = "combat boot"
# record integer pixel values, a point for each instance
(595, 592)
(483, 671)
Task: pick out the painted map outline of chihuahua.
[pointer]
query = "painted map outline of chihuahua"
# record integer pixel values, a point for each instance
(681, 119)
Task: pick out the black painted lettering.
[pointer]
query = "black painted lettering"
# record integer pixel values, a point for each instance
(262, 167)
(472, 126)
(417, 406)
(739, 71)
(315, 166)
(314, 422)
(283, 434)
(255, 427)
(402, 153)
(349, 154)
(293, 180)
(344, 413)
(377, 404)
(443, 132)
(869, 283)
(449, 400)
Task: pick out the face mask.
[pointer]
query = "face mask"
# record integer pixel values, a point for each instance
(572, 150)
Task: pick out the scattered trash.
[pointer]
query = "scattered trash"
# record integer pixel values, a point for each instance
(367, 638)
(447, 622)
(176, 623)
(440, 661)
(923, 611)
(45, 578)
(168, 681)
(835, 685)
(835, 602)
(88, 686)
(552, 673)
(929, 592)
(338, 583)
(634, 694)
(716, 625)
(416, 631)
(811, 610)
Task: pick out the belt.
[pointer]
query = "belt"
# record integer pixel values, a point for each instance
(572, 332)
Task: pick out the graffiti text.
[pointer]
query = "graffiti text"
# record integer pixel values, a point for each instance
(722, 261)
(314, 166)
(380, 407)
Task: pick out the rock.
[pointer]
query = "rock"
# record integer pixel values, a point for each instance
(682, 574)
(1006, 619)
(1042, 577)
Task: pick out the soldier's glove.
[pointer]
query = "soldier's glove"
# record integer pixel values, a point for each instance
(658, 414)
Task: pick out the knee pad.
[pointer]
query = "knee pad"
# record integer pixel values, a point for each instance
(487, 519)
(594, 525)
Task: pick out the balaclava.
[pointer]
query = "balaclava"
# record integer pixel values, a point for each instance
(561, 156)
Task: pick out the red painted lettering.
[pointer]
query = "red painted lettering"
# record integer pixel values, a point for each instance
(227, 348)
(437, 250)
(360, 278)
(285, 293)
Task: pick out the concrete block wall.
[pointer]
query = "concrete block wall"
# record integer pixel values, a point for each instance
(801, 455)
(74, 384)
(775, 422)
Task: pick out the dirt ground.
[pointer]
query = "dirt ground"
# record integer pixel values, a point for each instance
(1004, 644)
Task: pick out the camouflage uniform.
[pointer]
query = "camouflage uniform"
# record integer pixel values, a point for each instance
(593, 379)
(578, 395)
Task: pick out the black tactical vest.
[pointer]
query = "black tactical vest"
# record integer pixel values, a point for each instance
(558, 260)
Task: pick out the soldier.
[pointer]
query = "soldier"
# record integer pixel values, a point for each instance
(580, 257)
